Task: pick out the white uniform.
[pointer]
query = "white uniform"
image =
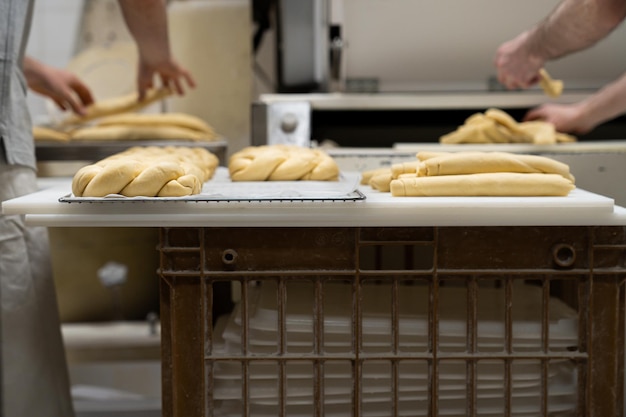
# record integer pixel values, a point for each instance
(33, 367)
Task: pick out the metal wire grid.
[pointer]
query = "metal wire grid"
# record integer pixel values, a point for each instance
(593, 287)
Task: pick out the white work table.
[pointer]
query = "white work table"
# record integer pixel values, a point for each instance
(579, 208)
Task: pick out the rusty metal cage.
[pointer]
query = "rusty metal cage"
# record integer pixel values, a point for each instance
(432, 321)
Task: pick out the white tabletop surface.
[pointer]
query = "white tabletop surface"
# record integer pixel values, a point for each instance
(579, 208)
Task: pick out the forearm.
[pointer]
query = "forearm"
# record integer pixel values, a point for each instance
(147, 22)
(575, 25)
(33, 70)
(608, 103)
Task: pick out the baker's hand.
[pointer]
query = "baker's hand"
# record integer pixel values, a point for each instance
(566, 118)
(169, 72)
(516, 66)
(63, 87)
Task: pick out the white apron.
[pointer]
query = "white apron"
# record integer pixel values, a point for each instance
(34, 370)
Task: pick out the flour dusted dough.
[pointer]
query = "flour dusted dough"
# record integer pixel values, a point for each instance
(45, 133)
(147, 171)
(116, 105)
(137, 132)
(159, 119)
(282, 163)
(488, 184)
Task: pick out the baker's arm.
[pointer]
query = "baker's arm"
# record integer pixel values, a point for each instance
(63, 87)
(572, 26)
(582, 117)
(147, 23)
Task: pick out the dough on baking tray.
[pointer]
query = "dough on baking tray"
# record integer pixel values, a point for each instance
(183, 120)
(486, 184)
(138, 132)
(282, 163)
(116, 105)
(45, 133)
(147, 171)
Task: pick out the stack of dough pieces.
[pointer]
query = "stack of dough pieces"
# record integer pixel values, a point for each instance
(474, 174)
(282, 163)
(497, 126)
(147, 171)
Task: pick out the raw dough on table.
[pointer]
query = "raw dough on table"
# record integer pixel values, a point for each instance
(489, 184)
(182, 120)
(483, 162)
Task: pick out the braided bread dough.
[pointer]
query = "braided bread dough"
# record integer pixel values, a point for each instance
(147, 171)
(282, 163)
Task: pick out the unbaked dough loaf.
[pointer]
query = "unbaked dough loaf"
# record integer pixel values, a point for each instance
(116, 105)
(282, 163)
(182, 120)
(461, 173)
(138, 132)
(147, 171)
(367, 175)
(45, 133)
(483, 162)
(489, 184)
